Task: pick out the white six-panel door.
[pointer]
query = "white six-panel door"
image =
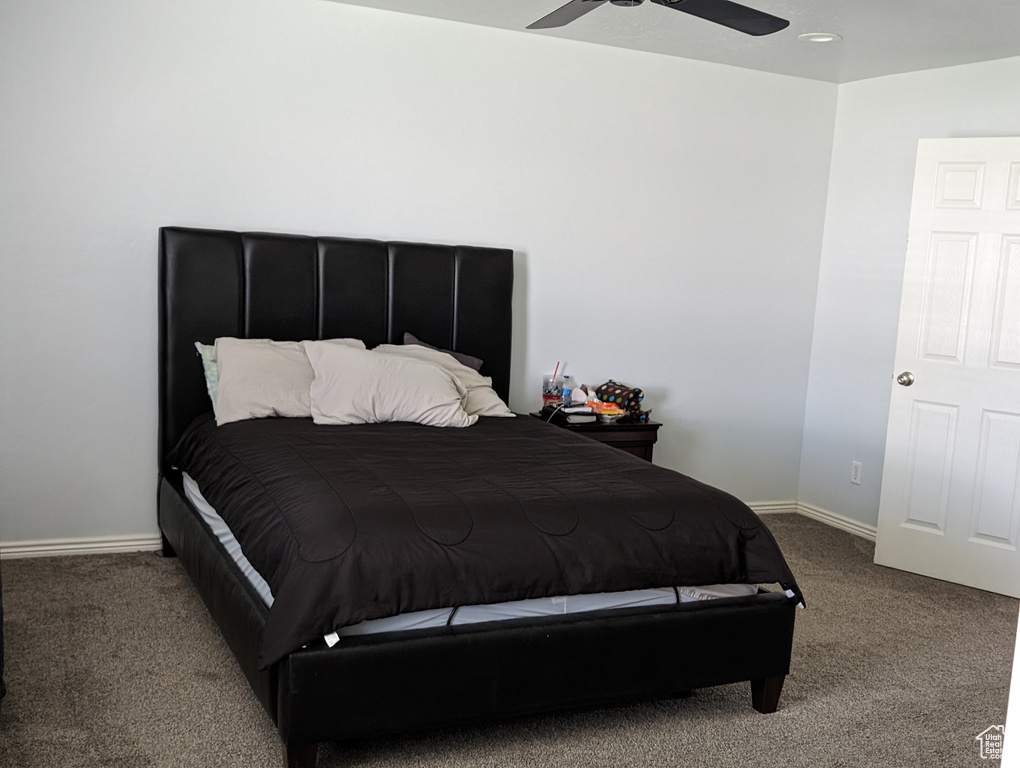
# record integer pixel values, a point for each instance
(950, 503)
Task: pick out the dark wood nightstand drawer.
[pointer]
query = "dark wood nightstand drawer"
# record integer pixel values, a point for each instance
(634, 438)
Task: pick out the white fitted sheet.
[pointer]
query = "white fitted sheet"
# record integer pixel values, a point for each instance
(470, 614)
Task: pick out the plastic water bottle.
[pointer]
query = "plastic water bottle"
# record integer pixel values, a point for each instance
(566, 389)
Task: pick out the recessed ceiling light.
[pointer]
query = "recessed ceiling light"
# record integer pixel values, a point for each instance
(819, 37)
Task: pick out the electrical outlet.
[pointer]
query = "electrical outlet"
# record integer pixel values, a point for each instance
(855, 473)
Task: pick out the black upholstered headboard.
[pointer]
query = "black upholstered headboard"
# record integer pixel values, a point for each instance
(290, 287)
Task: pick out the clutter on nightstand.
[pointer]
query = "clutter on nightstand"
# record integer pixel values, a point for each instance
(567, 402)
(563, 413)
(564, 398)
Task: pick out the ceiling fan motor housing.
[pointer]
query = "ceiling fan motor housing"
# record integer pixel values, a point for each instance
(626, 2)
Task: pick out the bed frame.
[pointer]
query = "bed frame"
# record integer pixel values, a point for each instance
(217, 283)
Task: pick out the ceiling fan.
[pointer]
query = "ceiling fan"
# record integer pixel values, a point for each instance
(729, 14)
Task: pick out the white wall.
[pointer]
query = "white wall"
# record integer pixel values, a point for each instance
(667, 216)
(878, 123)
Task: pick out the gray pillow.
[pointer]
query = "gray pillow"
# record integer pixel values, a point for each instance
(460, 357)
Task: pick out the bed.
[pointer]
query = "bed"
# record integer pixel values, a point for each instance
(216, 284)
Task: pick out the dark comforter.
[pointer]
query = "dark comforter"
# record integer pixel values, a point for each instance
(348, 523)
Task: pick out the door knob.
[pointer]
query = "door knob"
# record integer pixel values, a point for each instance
(905, 379)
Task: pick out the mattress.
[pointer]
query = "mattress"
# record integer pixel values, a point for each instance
(468, 614)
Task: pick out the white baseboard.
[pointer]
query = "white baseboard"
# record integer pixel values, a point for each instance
(847, 524)
(857, 528)
(774, 507)
(93, 545)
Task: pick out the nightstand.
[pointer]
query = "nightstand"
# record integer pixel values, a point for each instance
(636, 438)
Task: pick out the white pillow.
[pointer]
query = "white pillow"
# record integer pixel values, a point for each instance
(355, 386)
(260, 378)
(481, 399)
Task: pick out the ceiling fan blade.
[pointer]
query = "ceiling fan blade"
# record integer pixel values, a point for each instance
(732, 15)
(572, 11)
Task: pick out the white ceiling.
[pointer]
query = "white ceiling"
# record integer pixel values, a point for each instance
(880, 37)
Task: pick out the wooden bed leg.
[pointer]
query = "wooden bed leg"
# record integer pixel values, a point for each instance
(765, 693)
(300, 755)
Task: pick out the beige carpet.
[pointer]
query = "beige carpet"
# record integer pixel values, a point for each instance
(111, 660)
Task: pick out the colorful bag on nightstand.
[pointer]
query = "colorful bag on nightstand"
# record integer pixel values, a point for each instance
(628, 398)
